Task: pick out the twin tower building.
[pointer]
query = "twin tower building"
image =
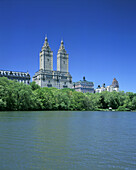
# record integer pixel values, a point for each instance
(46, 76)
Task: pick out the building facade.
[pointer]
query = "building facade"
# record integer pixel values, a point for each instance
(84, 86)
(113, 87)
(15, 75)
(46, 76)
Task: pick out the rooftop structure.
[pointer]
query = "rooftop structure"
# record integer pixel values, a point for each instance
(84, 86)
(115, 83)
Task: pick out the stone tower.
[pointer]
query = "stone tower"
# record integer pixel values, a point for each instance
(46, 57)
(62, 59)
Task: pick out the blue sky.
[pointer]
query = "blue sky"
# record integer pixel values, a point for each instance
(99, 36)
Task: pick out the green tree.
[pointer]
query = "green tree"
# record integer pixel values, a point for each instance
(18, 96)
(34, 86)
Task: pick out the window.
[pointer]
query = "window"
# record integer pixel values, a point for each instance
(49, 85)
(65, 86)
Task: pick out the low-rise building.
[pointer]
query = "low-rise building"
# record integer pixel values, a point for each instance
(113, 87)
(15, 75)
(84, 86)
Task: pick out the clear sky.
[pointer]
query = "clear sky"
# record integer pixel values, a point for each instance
(99, 36)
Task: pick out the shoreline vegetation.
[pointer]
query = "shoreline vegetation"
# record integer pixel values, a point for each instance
(15, 96)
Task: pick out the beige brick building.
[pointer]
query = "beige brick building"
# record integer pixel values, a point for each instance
(46, 77)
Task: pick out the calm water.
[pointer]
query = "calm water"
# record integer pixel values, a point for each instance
(67, 140)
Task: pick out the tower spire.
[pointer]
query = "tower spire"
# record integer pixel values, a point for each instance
(62, 46)
(46, 39)
(61, 39)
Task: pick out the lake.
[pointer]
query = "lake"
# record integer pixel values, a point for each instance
(54, 140)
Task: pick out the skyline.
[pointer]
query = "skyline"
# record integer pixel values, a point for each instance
(100, 38)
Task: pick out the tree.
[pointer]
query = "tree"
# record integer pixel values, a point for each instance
(34, 86)
(19, 96)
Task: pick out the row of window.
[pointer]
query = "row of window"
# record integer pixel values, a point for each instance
(51, 77)
(49, 60)
(16, 78)
(64, 82)
(50, 85)
(14, 74)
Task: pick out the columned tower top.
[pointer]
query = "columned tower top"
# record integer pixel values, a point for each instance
(46, 44)
(46, 56)
(62, 48)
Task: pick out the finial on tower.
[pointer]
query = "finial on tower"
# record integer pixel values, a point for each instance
(62, 41)
(46, 39)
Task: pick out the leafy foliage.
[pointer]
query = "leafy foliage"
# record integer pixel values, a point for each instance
(18, 96)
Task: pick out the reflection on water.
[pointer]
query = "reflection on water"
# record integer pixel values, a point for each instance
(67, 140)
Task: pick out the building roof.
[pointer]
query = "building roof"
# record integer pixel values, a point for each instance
(83, 82)
(14, 71)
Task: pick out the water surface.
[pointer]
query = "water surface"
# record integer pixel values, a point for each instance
(67, 140)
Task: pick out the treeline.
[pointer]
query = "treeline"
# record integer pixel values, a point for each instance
(18, 96)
